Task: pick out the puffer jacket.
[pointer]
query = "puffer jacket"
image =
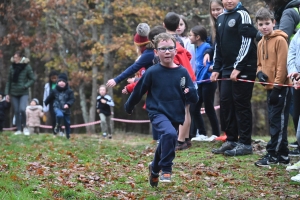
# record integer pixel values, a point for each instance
(61, 96)
(33, 115)
(26, 79)
(271, 58)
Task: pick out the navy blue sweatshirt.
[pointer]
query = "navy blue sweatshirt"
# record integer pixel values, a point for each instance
(165, 92)
(234, 51)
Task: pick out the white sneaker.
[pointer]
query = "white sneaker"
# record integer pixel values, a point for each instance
(104, 134)
(18, 133)
(199, 138)
(62, 134)
(296, 178)
(26, 131)
(295, 166)
(211, 138)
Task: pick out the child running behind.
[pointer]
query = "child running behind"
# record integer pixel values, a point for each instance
(104, 102)
(63, 98)
(163, 96)
(271, 61)
(34, 113)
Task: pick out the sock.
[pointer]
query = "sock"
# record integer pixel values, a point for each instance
(179, 142)
(187, 139)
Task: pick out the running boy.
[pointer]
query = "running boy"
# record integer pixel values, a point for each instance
(163, 96)
(272, 56)
(104, 102)
(63, 98)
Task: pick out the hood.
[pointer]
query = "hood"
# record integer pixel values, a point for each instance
(292, 4)
(265, 41)
(24, 60)
(35, 107)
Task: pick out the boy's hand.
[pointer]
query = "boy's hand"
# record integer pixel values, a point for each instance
(98, 110)
(234, 74)
(111, 83)
(186, 90)
(124, 91)
(214, 76)
(66, 106)
(103, 101)
(130, 80)
(262, 77)
(7, 98)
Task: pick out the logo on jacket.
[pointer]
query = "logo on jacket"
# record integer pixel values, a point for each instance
(182, 82)
(231, 23)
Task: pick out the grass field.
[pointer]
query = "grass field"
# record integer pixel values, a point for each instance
(90, 167)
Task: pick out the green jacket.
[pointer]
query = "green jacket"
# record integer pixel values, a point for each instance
(26, 79)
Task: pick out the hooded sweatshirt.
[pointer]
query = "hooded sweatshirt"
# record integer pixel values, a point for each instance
(234, 51)
(271, 58)
(287, 18)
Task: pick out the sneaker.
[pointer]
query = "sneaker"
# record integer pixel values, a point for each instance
(153, 177)
(266, 161)
(221, 138)
(26, 131)
(295, 166)
(104, 134)
(284, 160)
(295, 152)
(18, 133)
(61, 133)
(188, 143)
(109, 136)
(181, 146)
(165, 177)
(199, 138)
(294, 144)
(211, 138)
(225, 146)
(239, 150)
(296, 178)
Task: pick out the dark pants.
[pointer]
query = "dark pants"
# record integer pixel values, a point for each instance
(278, 122)
(62, 116)
(52, 116)
(1, 125)
(235, 107)
(165, 151)
(206, 93)
(19, 104)
(296, 104)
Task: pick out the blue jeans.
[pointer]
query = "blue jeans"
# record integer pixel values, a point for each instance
(62, 116)
(165, 151)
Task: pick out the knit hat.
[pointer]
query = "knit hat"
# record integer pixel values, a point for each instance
(141, 36)
(62, 77)
(36, 101)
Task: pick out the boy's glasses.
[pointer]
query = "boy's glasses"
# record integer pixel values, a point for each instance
(164, 49)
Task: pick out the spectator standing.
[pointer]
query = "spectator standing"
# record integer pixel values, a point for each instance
(20, 79)
(4, 106)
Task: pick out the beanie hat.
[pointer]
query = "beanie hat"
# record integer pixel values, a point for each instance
(36, 101)
(141, 36)
(62, 77)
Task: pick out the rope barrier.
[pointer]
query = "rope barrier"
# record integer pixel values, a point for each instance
(99, 121)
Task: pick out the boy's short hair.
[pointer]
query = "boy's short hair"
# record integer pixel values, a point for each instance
(264, 14)
(171, 21)
(163, 37)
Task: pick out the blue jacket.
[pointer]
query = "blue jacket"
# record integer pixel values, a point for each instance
(146, 60)
(165, 92)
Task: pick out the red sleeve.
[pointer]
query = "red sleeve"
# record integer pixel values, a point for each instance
(131, 86)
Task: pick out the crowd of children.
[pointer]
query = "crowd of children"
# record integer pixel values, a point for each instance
(193, 62)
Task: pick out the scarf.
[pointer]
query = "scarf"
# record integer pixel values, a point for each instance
(18, 67)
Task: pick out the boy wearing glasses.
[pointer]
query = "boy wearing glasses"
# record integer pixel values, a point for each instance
(169, 86)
